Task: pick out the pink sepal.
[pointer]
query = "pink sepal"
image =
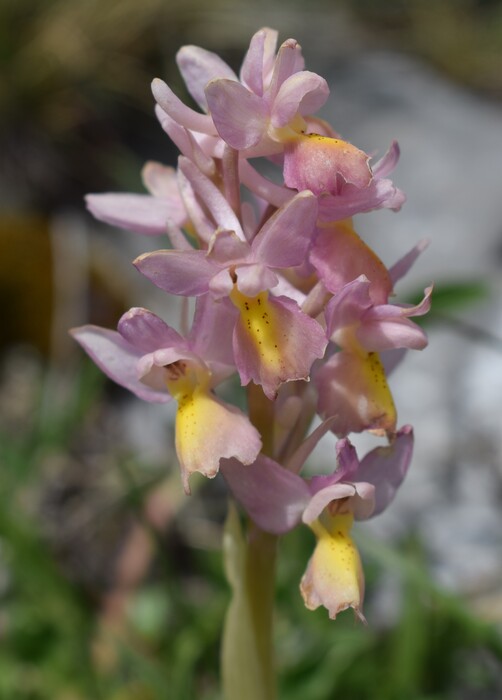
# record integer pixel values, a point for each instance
(303, 93)
(140, 213)
(238, 114)
(118, 359)
(178, 111)
(274, 497)
(198, 66)
(259, 60)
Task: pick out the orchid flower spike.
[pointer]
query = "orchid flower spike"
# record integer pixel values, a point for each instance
(285, 291)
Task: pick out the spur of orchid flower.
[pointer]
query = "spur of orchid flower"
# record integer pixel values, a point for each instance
(285, 291)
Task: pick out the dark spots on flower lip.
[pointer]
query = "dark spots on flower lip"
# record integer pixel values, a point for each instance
(175, 370)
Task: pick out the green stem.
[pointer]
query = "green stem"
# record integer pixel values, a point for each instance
(248, 666)
(260, 582)
(247, 661)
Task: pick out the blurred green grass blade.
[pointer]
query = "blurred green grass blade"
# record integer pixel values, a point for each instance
(392, 558)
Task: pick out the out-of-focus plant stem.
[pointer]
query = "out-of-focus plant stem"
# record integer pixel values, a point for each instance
(248, 665)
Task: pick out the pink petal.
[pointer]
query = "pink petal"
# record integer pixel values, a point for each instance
(258, 60)
(211, 197)
(147, 332)
(313, 162)
(183, 272)
(178, 111)
(303, 92)
(200, 220)
(324, 497)
(140, 213)
(226, 247)
(272, 496)
(221, 285)
(239, 115)
(212, 329)
(380, 194)
(347, 464)
(354, 390)
(387, 162)
(340, 256)
(160, 180)
(401, 267)
(386, 467)
(274, 342)
(285, 238)
(289, 60)
(391, 334)
(395, 311)
(198, 67)
(360, 500)
(117, 359)
(347, 307)
(185, 141)
(253, 279)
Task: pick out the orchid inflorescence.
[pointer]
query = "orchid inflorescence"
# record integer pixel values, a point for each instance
(285, 292)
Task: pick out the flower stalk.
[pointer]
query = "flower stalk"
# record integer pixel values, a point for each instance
(247, 652)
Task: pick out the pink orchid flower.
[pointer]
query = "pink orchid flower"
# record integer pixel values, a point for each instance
(278, 499)
(273, 340)
(157, 364)
(352, 384)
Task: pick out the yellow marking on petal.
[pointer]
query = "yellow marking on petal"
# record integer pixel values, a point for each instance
(380, 404)
(194, 413)
(189, 385)
(289, 133)
(328, 144)
(260, 322)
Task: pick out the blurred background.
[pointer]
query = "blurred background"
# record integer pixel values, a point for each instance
(110, 578)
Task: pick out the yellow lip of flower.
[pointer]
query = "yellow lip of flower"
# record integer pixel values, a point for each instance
(334, 575)
(207, 429)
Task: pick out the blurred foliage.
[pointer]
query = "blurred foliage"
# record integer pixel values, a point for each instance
(65, 637)
(75, 103)
(462, 38)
